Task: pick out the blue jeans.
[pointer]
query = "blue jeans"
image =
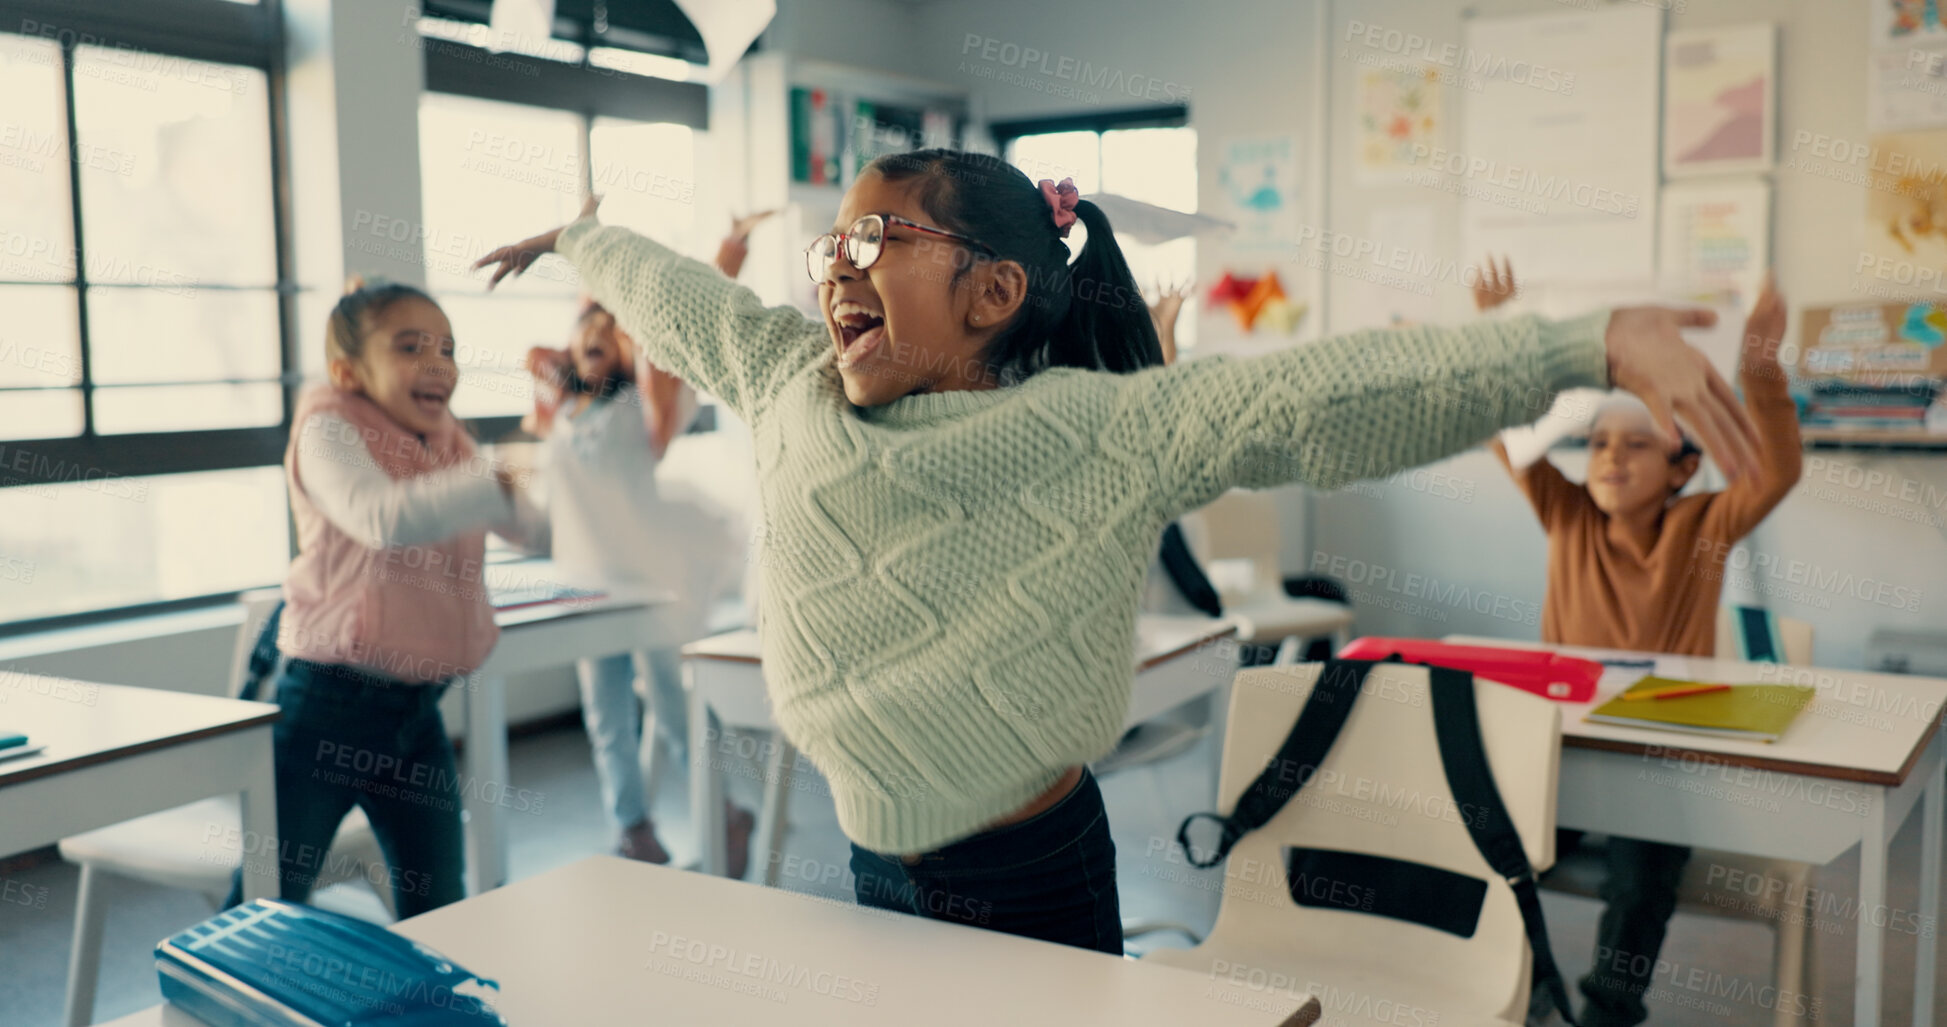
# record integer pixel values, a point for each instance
(612, 716)
(1050, 877)
(351, 737)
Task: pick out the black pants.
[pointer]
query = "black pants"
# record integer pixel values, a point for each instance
(1050, 877)
(1639, 895)
(348, 738)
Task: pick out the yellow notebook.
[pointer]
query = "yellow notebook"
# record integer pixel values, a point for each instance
(1758, 713)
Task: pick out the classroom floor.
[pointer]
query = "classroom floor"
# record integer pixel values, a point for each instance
(1145, 804)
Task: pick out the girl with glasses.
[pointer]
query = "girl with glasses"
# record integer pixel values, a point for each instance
(970, 457)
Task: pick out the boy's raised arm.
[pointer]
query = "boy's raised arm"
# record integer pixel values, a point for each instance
(1768, 399)
(1548, 491)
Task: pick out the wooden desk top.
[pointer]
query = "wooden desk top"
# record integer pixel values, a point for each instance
(609, 941)
(1860, 726)
(82, 723)
(606, 941)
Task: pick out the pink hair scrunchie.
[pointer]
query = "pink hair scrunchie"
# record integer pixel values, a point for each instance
(1061, 200)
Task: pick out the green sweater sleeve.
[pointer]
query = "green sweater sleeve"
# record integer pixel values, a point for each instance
(1356, 406)
(689, 319)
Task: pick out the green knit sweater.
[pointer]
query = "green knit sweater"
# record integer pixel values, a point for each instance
(951, 580)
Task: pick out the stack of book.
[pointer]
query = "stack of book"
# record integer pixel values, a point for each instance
(1855, 406)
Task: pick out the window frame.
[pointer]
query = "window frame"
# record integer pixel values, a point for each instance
(252, 35)
(1171, 116)
(457, 69)
(244, 35)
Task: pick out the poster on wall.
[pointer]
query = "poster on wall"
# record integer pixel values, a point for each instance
(1906, 209)
(1719, 100)
(1563, 183)
(1399, 115)
(1907, 89)
(1899, 22)
(1716, 241)
(1258, 177)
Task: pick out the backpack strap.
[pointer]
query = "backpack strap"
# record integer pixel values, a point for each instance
(263, 656)
(1186, 575)
(1318, 726)
(1456, 722)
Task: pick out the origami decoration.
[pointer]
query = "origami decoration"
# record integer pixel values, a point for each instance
(1282, 315)
(1264, 291)
(1229, 289)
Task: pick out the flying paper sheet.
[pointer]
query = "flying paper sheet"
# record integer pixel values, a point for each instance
(1150, 224)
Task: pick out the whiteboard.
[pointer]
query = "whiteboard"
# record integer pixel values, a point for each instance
(1558, 149)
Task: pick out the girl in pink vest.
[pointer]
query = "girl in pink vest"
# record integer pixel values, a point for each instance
(385, 604)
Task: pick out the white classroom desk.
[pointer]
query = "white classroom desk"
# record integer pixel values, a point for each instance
(117, 752)
(535, 638)
(1177, 659)
(1847, 772)
(607, 941)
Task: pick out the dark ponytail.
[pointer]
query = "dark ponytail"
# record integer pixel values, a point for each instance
(1087, 314)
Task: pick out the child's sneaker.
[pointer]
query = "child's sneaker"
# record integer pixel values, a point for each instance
(639, 843)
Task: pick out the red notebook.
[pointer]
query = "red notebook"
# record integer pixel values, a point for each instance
(1550, 675)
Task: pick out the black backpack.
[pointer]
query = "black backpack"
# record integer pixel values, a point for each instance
(1430, 896)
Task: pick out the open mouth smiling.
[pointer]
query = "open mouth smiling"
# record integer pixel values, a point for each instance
(859, 331)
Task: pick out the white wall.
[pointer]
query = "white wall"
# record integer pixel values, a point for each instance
(1858, 521)
(1804, 555)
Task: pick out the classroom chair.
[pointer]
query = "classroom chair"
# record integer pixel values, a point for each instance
(1237, 540)
(1382, 791)
(1136, 927)
(171, 848)
(1753, 634)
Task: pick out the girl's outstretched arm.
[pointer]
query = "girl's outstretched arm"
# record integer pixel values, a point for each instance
(1358, 406)
(1374, 402)
(685, 315)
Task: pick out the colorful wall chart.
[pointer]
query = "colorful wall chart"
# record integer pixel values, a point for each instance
(1716, 241)
(1719, 100)
(1906, 206)
(1398, 109)
(1907, 21)
(1258, 176)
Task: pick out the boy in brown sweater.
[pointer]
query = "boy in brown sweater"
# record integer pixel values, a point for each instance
(1630, 566)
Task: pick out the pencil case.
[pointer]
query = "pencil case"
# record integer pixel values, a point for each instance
(1549, 675)
(277, 963)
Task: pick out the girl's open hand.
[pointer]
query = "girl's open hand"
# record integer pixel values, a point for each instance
(1163, 313)
(740, 227)
(1494, 286)
(1648, 357)
(512, 260)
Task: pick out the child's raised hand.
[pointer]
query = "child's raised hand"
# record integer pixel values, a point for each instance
(1764, 329)
(513, 260)
(740, 226)
(1648, 357)
(1163, 313)
(1494, 286)
(1169, 300)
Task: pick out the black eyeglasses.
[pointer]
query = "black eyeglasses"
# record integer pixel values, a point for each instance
(865, 241)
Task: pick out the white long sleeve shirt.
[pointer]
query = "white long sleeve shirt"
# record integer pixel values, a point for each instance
(361, 500)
